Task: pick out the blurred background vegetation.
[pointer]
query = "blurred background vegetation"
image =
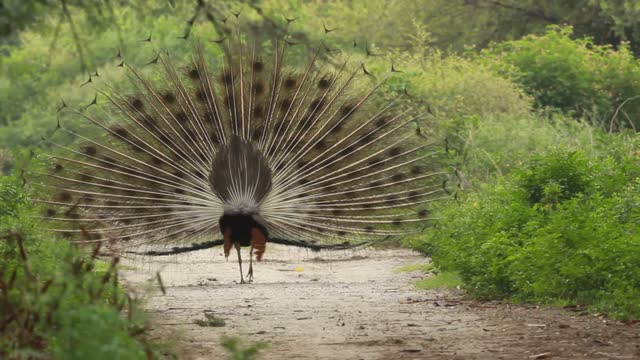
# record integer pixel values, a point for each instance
(538, 102)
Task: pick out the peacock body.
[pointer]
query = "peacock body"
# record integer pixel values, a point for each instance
(246, 148)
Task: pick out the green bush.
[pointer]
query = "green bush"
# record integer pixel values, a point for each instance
(555, 177)
(453, 86)
(236, 350)
(59, 301)
(561, 230)
(573, 75)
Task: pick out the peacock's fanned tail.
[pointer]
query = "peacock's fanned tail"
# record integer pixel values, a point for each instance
(310, 151)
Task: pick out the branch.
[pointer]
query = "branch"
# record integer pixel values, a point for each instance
(56, 33)
(76, 38)
(615, 114)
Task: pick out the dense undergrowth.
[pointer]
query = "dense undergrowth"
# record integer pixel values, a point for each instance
(562, 229)
(58, 300)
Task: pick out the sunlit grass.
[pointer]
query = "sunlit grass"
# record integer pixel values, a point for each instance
(435, 279)
(426, 267)
(443, 280)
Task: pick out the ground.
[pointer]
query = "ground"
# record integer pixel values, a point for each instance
(355, 305)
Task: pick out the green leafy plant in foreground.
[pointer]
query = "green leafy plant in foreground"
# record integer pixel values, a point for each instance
(59, 301)
(237, 351)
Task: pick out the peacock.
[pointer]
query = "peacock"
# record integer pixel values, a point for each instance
(246, 148)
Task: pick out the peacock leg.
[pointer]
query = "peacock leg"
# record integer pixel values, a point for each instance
(250, 273)
(240, 263)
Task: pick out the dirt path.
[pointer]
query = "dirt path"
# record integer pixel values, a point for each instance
(353, 305)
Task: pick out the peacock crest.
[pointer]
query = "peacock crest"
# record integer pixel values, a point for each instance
(246, 146)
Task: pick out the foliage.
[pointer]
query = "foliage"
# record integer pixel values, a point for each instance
(44, 69)
(426, 267)
(16, 15)
(561, 230)
(483, 21)
(574, 75)
(452, 86)
(53, 294)
(485, 148)
(434, 279)
(609, 22)
(460, 24)
(556, 177)
(236, 351)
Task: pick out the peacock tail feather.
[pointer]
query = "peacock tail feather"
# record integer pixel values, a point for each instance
(310, 152)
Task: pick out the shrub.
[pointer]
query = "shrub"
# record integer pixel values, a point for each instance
(53, 295)
(554, 177)
(561, 230)
(443, 86)
(573, 75)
